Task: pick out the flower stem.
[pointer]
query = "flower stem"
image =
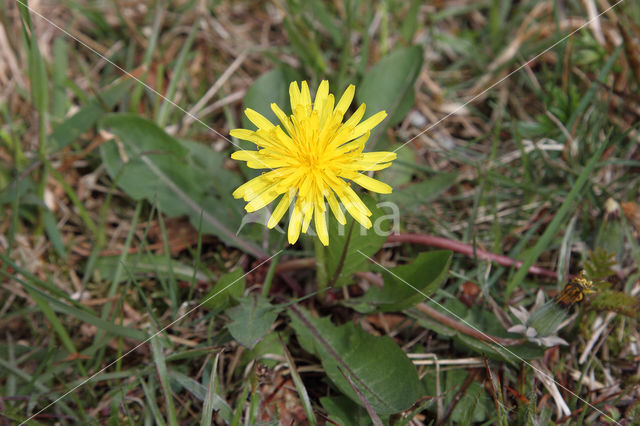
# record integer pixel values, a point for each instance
(321, 267)
(266, 286)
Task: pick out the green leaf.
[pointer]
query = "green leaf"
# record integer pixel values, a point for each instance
(229, 286)
(413, 196)
(401, 172)
(302, 39)
(263, 351)
(161, 170)
(85, 315)
(176, 77)
(300, 387)
(60, 103)
(344, 411)
(343, 253)
(473, 405)
(328, 21)
(251, 319)
(53, 320)
(544, 242)
(145, 265)
(55, 237)
(71, 128)
(376, 365)
(483, 320)
(270, 87)
(38, 78)
(210, 400)
(410, 22)
(161, 368)
(200, 391)
(388, 85)
(426, 274)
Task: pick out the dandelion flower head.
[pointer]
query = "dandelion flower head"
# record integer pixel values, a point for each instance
(313, 157)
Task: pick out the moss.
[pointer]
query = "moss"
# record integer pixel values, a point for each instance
(617, 301)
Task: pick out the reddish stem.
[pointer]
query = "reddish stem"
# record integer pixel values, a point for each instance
(463, 328)
(469, 250)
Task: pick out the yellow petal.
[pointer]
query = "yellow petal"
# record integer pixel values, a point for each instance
(307, 214)
(244, 155)
(356, 145)
(248, 135)
(264, 198)
(258, 119)
(368, 124)
(280, 210)
(294, 95)
(355, 212)
(344, 133)
(370, 161)
(345, 100)
(327, 110)
(305, 97)
(372, 184)
(356, 201)
(294, 223)
(305, 188)
(282, 117)
(252, 188)
(335, 208)
(321, 96)
(355, 117)
(320, 223)
(285, 142)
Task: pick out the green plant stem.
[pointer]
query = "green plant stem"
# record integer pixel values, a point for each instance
(321, 265)
(266, 286)
(343, 256)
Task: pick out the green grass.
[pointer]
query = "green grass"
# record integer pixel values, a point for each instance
(117, 220)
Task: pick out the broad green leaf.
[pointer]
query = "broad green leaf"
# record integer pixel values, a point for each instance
(389, 84)
(251, 319)
(229, 286)
(344, 411)
(473, 405)
(349, 240)
(263, 351)
(424, 275)
(401, 172)
(376, 365)
(221, 181)
(154, 166)
(145, 265)
(412, 196)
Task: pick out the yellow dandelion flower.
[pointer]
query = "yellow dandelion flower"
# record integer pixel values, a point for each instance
(313, 156)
